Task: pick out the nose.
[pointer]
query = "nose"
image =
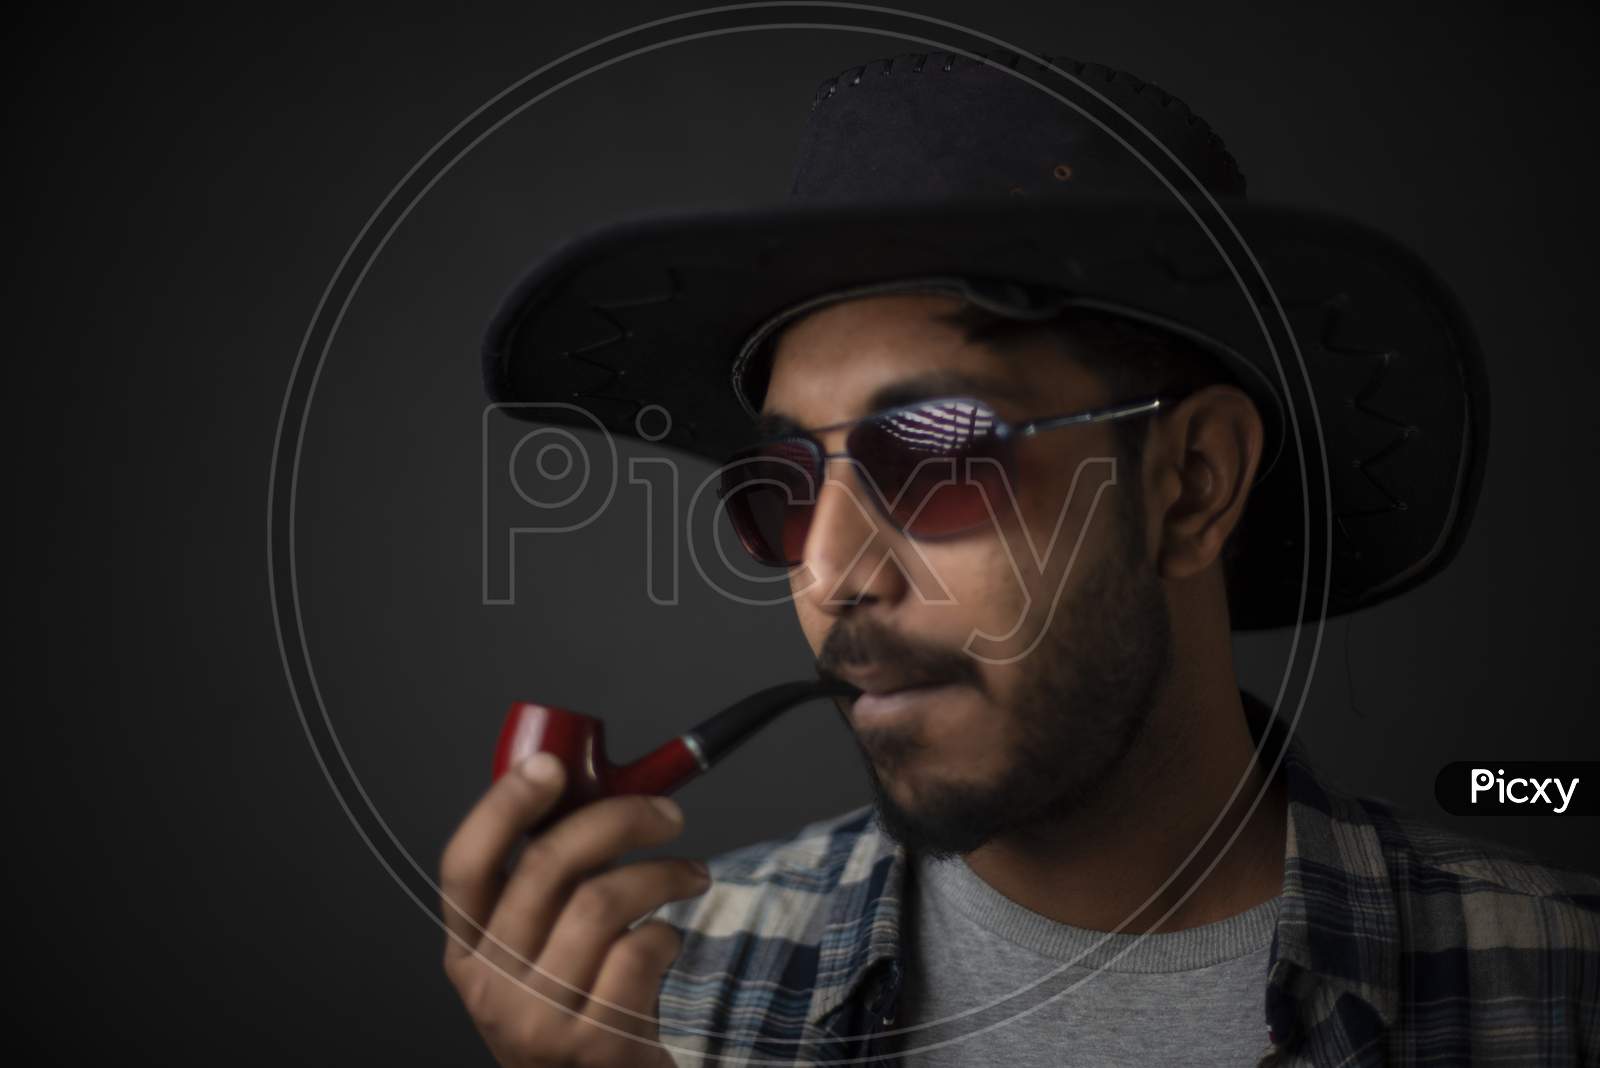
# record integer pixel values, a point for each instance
(850, 548)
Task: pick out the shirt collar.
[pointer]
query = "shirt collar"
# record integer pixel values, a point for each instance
(1337, 934)
(863, 925)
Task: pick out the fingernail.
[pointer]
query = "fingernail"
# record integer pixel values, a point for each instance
(668, 808)
(700, 870)
(541, 769)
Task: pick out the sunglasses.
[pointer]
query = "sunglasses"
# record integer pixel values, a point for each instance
(931, 466)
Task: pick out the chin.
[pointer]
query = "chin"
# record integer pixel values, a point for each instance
(921, 805)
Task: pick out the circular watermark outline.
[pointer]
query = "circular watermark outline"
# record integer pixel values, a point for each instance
(282, 500)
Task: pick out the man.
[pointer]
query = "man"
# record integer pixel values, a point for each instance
(1027, 457)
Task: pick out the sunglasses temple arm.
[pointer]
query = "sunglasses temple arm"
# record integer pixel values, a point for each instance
(1053, 423)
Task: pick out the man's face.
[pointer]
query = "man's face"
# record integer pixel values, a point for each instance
(1074, 649)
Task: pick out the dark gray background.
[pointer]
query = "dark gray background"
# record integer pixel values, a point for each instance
(188, 885)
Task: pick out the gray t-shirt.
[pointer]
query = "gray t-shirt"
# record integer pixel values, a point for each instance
(1193, 997)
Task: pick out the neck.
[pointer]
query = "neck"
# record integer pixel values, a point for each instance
(1153, 851)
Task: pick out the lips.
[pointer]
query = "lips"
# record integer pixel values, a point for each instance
(885, 708)
(880, 681)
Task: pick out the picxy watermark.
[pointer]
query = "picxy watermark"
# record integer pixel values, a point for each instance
(1523, 791)
(1521, 788)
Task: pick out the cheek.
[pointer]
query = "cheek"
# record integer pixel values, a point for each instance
(1047, 471)
(1068, 504)
(993, 599)
(978, 578)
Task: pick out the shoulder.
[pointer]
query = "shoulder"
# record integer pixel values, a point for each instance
(1459, 891)
(1467, 948)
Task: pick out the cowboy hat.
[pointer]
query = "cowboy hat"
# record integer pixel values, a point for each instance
(1028, 187)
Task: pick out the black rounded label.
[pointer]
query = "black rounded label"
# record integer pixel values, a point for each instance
(1518, 788)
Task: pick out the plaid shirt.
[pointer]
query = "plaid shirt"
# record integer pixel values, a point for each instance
(1395, 943)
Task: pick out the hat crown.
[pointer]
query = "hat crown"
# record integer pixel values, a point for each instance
(945, 125)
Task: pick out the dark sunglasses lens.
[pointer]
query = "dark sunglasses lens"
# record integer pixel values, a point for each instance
(770, 492)
(933, 463)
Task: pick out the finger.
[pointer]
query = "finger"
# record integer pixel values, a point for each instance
(582, 841)
(470, 878)
(629, 983)
(599, 911)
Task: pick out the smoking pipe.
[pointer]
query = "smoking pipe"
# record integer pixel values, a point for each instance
(579, 741)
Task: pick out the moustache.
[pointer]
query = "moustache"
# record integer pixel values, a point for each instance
(860, 642)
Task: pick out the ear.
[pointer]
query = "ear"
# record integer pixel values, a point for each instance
(1203, 458)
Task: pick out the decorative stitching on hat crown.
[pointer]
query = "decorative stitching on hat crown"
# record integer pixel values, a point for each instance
(1333, 310)
(683, 431)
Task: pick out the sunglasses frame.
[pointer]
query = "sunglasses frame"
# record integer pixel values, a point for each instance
(1006, 432)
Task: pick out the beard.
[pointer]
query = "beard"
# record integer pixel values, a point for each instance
(1084, 699)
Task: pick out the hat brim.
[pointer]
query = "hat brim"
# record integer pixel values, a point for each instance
(1388, 381)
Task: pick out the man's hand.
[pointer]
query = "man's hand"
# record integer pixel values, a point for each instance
(557, 924)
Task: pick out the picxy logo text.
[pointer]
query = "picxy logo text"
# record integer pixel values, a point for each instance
(1518, 788)
(1523, 791)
